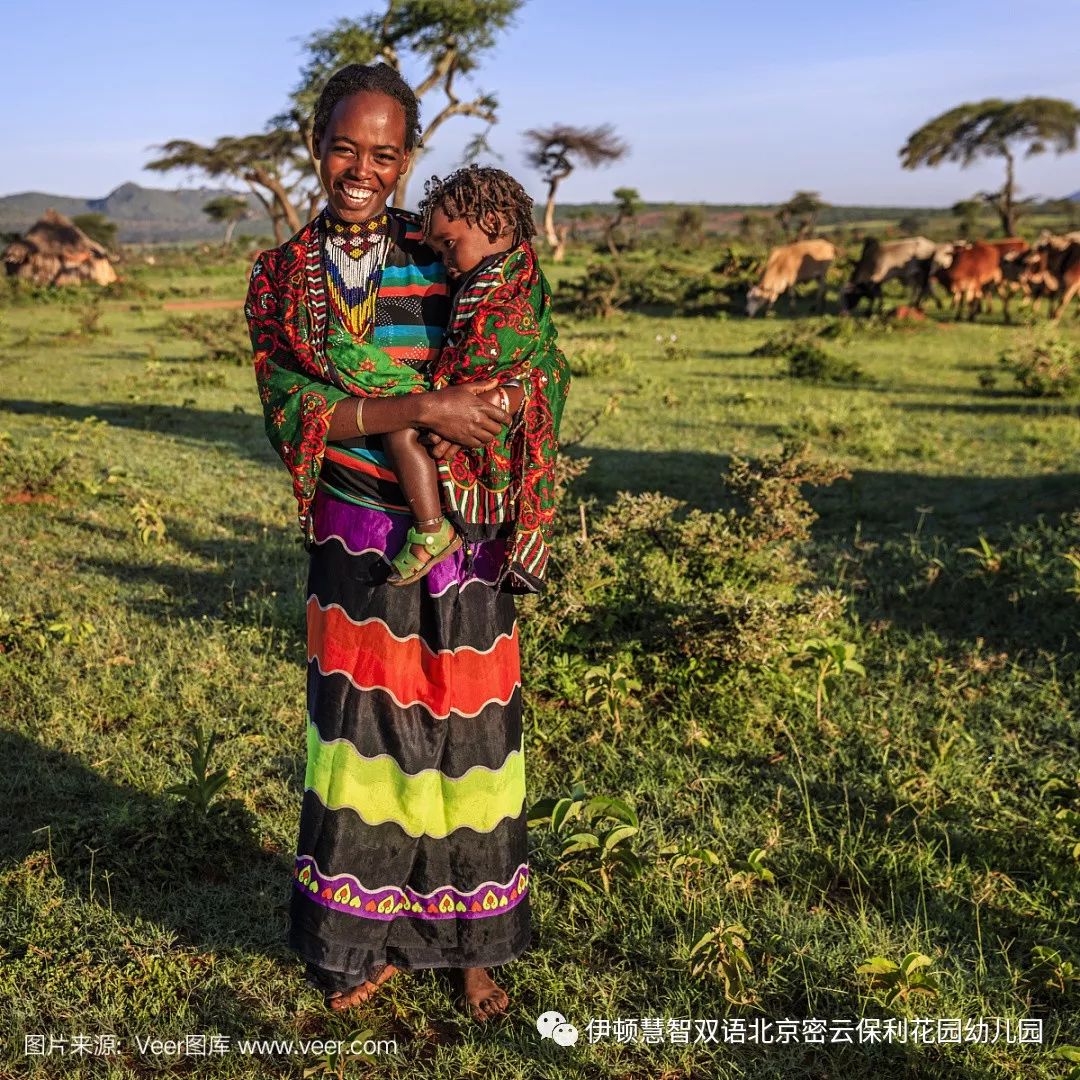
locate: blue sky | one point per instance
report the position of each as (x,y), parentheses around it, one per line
(720,102)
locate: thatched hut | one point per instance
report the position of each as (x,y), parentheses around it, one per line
(57,252)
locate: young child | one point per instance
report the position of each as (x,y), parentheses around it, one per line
(479,221)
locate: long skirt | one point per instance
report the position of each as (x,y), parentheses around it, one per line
(413,847)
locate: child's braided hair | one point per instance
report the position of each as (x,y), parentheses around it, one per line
(473,193)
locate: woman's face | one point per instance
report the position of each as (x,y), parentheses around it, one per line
(361,155)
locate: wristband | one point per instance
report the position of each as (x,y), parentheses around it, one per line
(359,416)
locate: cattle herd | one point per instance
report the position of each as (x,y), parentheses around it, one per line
(969,273)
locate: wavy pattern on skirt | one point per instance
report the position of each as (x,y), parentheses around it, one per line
(413,825)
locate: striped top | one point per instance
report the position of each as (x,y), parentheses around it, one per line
(412,308)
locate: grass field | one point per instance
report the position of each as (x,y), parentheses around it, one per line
(814,816)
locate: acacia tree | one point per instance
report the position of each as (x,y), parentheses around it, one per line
(627,204)
(995,128)
(273,165)
(446,37)
(556,151)
(227,209)
(800,213)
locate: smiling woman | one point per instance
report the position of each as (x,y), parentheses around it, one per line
(363,143)
(413,849)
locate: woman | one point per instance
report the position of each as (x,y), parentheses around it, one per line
(413,848)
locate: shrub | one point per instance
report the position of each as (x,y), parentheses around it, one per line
(608,287)
(32,469)
(222,337)
(598,359)
(813,363)
(670,589)
(1043,364)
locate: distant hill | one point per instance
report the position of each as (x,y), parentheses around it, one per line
(155,215)
(144,215)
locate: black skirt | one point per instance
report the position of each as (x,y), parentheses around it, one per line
(413,847)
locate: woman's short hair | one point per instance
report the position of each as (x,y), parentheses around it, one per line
(476,191)
(366,78)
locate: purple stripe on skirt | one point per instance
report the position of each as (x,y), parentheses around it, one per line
(360,528)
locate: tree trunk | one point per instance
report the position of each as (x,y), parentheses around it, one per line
(558,252)
(229,231)
(615,222)
(549,215)
(271,213)
(278,193)
(1006,206)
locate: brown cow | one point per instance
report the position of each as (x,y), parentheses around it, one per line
(1059,270)
(788,266)
(1015,276)
(973,268)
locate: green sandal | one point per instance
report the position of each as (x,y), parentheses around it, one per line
(440,545)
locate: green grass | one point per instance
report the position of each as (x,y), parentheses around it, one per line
(921,808)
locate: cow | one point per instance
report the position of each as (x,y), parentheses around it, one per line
(1058,243)
(1058,268)
(933,270)
(788,266)
(972,269)
(1015,270)
(881,261)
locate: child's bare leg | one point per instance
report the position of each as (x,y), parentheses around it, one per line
(418,477)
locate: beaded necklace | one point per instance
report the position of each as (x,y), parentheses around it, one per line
(355,254)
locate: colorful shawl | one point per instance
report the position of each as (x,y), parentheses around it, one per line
(306,361)
(501,325)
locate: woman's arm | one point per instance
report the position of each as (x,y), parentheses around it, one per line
(442,449)
(456,413)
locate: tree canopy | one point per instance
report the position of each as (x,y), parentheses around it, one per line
(229,210)
(447,38)
(800,213)
(274,165)
(557,149)
(995,128)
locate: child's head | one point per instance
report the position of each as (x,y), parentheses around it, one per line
(473,213)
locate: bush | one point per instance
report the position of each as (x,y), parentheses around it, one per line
(813,363)
(644,286)
(1043,364)
(806,359)
(681,590)
(221,337)
(600,359)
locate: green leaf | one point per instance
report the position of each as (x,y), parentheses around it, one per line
(611,807)
(877,965)
(616,836)
(540,812)
(560,813)
(702,941)
(913,961)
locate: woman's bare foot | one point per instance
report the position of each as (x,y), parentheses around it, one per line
(483,995)
(359,994)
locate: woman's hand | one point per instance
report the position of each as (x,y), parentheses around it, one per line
(457,416)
